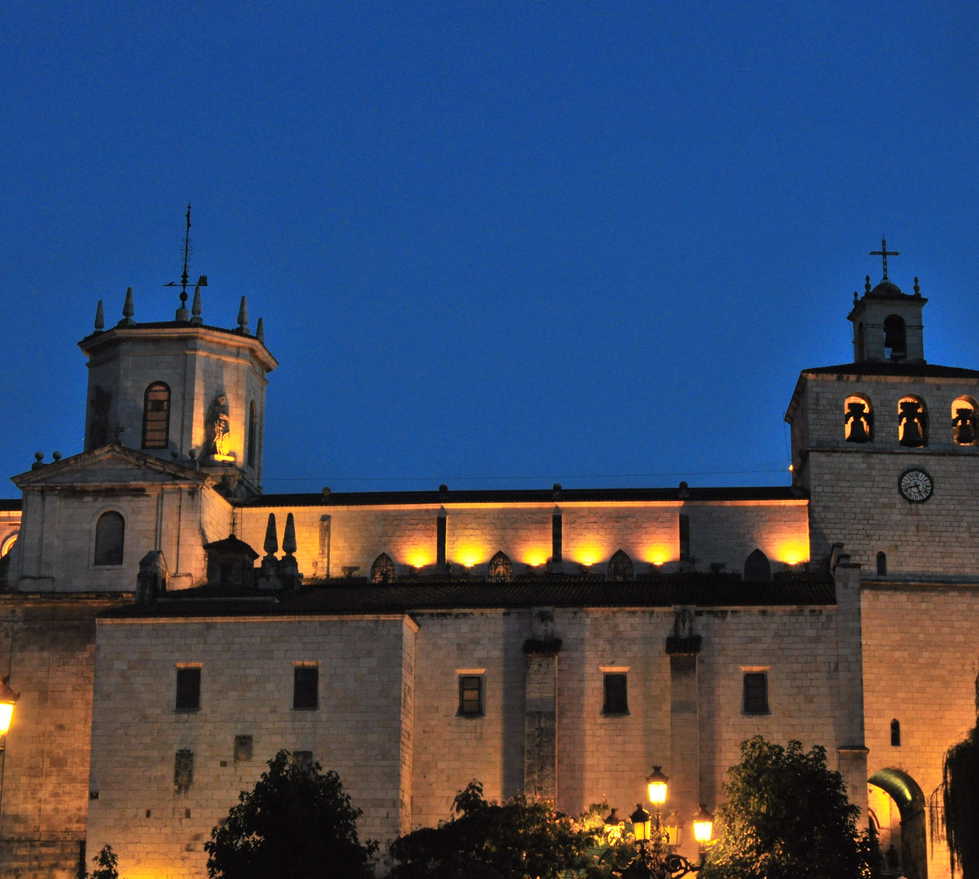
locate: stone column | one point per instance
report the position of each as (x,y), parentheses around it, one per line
(683,647)
(540,713)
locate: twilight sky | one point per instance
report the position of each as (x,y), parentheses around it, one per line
(496,244)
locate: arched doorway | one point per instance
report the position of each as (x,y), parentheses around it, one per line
(897,808)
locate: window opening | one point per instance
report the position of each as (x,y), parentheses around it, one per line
(896,733)
(756,692)
(616,693)
(188,689)
(156,416)
(110,533)
(912,422)
(305,687)
(858,425)
(964,421)
(895,345)
(470,695)
(881,564)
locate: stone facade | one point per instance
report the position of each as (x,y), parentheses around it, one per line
(552,672)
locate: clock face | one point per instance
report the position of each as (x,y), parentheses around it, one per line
(915,486)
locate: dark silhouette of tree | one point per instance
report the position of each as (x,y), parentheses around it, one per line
(786,816)
(960,789)
(106,864)
(517,839)
(296,824)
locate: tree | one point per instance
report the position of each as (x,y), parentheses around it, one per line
(106,864)
(296,824)
(786,816)
(960,789)
(517,839)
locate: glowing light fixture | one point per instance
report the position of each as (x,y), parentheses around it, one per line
(703,825)
(656,786)
(658,554)
(8,699)
(641,823)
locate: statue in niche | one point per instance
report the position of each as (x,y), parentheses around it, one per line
(218,428)
(99,427)
(683,623)
(964,426)
(500,568)
(910,423)
(856,422)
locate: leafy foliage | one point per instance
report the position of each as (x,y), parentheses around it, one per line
(296,824)
(786,816)
(106,864)
(518,839)
(960,784)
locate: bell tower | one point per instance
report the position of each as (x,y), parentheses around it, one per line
(181,390)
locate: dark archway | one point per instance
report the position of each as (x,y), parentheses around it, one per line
(903,790)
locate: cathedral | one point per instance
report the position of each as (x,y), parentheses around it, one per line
(166,626)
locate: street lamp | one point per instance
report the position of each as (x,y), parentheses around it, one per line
(655,858)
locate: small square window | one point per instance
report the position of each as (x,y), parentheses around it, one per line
(305,687)
(756,693)
(189,689)
(616,693)
(243,748)
(470,695)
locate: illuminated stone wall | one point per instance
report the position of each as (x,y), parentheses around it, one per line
(920,659)
(720,533)
(246,689)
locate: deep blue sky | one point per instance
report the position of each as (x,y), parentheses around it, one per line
(499,243)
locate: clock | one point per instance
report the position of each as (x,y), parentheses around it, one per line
(915,486)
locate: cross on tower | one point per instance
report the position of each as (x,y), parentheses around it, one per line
(883,253)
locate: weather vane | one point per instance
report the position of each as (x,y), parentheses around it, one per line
(883,253)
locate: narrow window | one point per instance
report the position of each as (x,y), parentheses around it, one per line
(471,695)
(189,688)
(756,692)
(156,416)
(616,694)
(110,533)
(896,733)
(684,537)
(757,568)
(881,564)
(183,770)
(252,433)
(895,347)
(305,687)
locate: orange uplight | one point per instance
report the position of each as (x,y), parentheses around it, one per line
(657,554)
(792,551)
(534,556)
(468,556)
(418,557)
(587,554)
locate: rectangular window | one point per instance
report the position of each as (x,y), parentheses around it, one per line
(305,687)
(756,692)
(189,688)
(470,695)
(616,693)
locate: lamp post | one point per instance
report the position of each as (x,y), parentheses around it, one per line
(655,839)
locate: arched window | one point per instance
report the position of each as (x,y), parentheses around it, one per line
(156,416)
(757,567)
(501,568)
(382,571)
(620,567)
(881,564)
(964,421)
(896,733)
(252,433)
(895,346)
(912,422)
(110,533)
(858,419)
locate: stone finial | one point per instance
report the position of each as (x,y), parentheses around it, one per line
(99,317)
(56,456)
(128,310)
(195,310)
(866,283)
(442,513)
(260,330)
(243,315)
(917,286)
(271,545)
(289,536)
(38,460)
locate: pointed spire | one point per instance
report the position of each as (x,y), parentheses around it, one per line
(99,317)
(196,317)
(271,545)
(243,315)
(128,310)
(289,536)
(260,330)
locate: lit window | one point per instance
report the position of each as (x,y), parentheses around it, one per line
(156,416)
(110,534)
(470,695)
(616,693)
(189,688)
(964,421)
(858,419)
(755,693)
(305,687)
(912,422)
